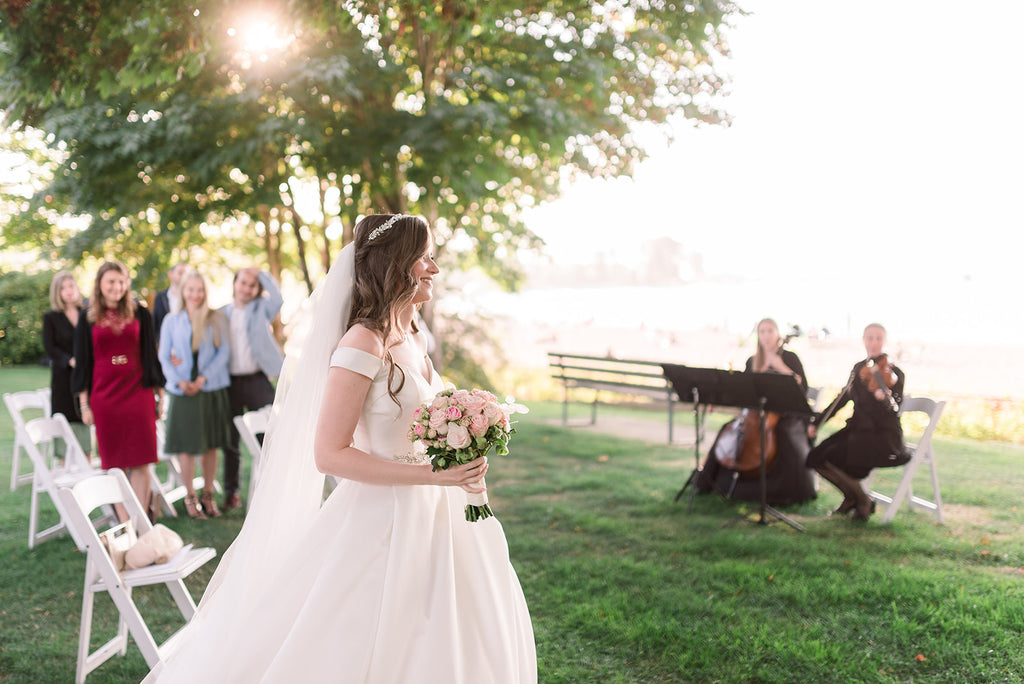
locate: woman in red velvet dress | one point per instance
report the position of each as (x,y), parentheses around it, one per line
(118,378)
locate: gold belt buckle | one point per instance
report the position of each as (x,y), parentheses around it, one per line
(119,360)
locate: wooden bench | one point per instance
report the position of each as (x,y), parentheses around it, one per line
(606,374)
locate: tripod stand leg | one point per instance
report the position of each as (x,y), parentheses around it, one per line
(765,508)
(691,481)
(779,516)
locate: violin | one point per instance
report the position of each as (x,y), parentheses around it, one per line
(879,375)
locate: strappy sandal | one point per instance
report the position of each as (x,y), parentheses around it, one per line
(209,506)
(193,508)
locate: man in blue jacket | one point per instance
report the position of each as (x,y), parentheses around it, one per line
(255,358)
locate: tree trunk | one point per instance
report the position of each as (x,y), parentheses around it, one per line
(300,242)
(273,249)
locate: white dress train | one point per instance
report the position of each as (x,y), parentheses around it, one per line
(391,584)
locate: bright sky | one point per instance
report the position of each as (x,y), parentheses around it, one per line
(872,142)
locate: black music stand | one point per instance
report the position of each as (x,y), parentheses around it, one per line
(780,394)
(707,387)
(761,391)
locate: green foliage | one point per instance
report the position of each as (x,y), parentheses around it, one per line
(25,299)
(467,351)
(466,113)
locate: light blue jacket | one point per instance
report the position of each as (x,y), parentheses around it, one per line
(258,315)
(176,336)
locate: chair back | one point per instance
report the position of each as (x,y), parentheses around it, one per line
(28,399)
(930,407)
(250,424)
(104,489)
(37,401)
(42,431)
(48,477)
(101,575)
(922,454)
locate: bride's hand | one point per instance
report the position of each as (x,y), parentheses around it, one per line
(468,476)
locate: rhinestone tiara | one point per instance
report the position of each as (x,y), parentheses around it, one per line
(384,227)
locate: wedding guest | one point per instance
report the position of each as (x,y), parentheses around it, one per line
(117,377)
(168,301)
(59,342)
(199,411)
(386,581)
(255,359)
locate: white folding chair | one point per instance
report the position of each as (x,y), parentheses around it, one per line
(171,487)
(249,425)
(37,401)
(101,575)
(922,454)
(48,478)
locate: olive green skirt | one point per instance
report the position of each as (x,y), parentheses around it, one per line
(198,423)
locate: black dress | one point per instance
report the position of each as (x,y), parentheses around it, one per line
(873,436)
(789,481)
(59,342)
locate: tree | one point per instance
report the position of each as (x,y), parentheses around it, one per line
(21,317)
(177,124)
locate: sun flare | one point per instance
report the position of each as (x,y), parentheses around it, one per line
(258,34)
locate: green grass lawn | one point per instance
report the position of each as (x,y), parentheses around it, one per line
(626,585)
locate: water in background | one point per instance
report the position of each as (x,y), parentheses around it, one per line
(948,311)
(952,337)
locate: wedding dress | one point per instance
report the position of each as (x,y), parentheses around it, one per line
(383,584)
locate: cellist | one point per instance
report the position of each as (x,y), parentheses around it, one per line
(788,481)
(872,437)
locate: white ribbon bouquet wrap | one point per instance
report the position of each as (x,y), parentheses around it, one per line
(459,426)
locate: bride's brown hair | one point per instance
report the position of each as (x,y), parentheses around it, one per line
(384,283)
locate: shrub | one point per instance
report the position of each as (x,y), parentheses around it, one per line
(25,298)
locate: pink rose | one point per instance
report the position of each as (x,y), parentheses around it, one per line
(493,413)
(458,437)
(438,422)
(419,430)
(485,395)
(452,413)
(474,404)
(478,425)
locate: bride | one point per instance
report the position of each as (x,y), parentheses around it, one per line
(387,581)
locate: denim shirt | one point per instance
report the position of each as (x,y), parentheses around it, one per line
(259,313)
(176,336)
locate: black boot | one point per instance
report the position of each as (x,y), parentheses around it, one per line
(854,497)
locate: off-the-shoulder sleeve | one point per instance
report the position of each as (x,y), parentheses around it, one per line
(357,360)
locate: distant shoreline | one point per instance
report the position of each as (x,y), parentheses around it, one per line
(933,369)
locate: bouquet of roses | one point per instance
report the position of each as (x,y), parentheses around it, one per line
(459,426)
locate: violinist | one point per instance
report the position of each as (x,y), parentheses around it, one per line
(873,436)
(787,479)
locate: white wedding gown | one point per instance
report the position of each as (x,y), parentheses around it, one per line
(390,584)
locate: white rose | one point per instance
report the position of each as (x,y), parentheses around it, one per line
(493,413)
(458,437)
